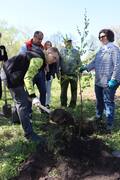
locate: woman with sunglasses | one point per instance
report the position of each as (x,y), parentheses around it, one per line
(107,77)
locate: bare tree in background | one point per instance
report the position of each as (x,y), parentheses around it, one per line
(56,39)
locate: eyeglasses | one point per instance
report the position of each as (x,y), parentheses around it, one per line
(100,37)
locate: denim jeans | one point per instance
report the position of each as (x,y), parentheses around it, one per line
(105,102)
(48,91)
(20,98)
(39,80)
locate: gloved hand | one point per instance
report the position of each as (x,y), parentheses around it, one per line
(36,101)
(82,68)
(112,83)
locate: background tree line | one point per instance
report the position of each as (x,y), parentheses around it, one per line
(87,44)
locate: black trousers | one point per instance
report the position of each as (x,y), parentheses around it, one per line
(65,81)
(0,88)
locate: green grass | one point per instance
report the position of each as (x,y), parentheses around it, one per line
(14,149)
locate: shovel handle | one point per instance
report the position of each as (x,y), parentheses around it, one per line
(44,108)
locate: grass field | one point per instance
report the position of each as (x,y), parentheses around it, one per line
(14,148)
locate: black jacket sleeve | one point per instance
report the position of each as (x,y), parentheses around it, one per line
(3,53)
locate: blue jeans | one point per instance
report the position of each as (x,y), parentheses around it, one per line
(105,101)
(48,91)
(39,80)
(20,98)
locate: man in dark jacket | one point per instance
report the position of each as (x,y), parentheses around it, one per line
(15,69)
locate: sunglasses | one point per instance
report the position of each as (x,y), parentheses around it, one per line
(100,37)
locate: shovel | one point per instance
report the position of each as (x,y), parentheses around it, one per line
(40,106)
(6,109)
(58,116)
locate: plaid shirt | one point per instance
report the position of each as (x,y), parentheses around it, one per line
(106,65)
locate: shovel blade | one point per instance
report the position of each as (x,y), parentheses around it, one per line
(7,110)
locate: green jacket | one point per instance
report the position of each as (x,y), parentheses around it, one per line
(70,61)
(35,65)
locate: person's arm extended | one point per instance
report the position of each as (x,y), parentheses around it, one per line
(91,65)
(35,64)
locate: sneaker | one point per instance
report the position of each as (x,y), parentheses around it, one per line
(72,106)
(109,129)
(98,124)
(63,106)
(99,118)
(36,138)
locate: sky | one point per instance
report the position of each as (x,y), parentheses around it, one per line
(52,16)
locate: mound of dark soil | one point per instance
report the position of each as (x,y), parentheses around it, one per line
(85,159)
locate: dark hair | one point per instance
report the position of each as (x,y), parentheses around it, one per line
(69,41)
(37,33)
(109,33)
(46,44)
